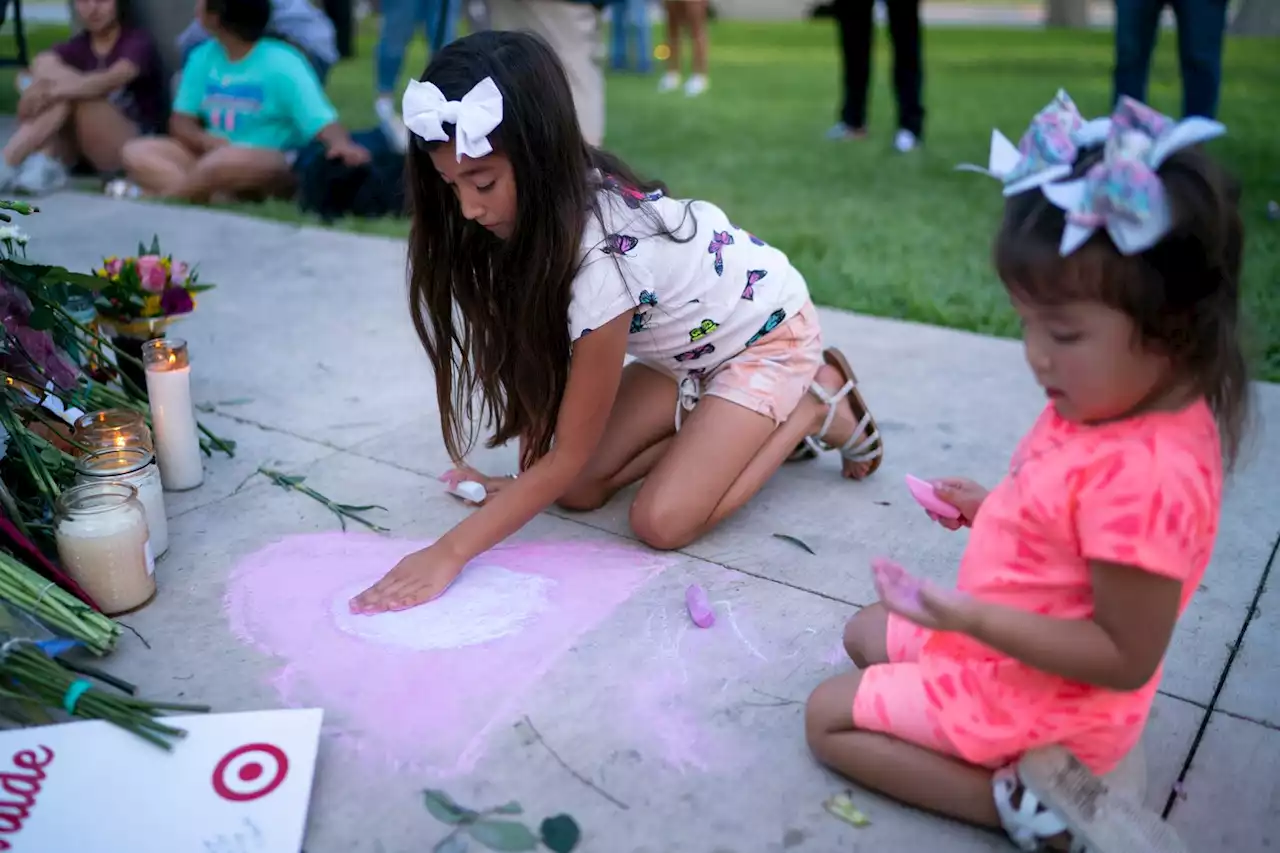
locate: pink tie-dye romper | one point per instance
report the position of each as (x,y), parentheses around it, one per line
(1143,492)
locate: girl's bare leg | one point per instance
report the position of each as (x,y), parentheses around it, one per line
(638,433)
(865,636)
(33,135)
(675,22)
(721,457)
(908,773)
(697,23)
(101,131)
(157,164)
(234,170)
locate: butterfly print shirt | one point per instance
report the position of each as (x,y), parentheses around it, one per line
(1144,492)
(695,303)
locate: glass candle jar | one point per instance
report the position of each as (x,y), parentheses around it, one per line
(113,429)
(135,467)
(101,532)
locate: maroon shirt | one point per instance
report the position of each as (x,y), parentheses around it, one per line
(144,100)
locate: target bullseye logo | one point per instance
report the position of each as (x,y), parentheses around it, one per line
(249,772)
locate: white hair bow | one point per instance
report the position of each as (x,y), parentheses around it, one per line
(1046,151)
(1124,193)
(426,110)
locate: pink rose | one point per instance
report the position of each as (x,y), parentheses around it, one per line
(152,273)
(113,266)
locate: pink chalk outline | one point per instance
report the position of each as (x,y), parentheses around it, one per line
(430,709)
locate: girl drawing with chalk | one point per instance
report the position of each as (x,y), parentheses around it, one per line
(537,264)
(1120,249)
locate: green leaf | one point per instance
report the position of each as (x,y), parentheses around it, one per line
(50,456)
(504,835)
(451,844)
(42,319)
(786,537)
(155,244)
(352,508)
(842,807)
(560,833)
(510,808)
(444,809)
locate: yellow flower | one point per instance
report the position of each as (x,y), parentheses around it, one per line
(151,306)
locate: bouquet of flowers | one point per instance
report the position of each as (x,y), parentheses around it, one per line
(147,290)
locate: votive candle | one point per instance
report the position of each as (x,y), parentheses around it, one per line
(135,467)
(102,538)
(173,417)
(114,429)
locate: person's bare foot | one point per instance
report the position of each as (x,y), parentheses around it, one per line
(842,426)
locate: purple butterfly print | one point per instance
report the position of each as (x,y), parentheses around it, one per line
(619,244)
(753,278)
(753,238)
(719,240)
(699,352)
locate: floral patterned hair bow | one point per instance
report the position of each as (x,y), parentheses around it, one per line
(1047,150)
(1124,193)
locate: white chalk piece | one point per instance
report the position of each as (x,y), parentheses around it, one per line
(469,490)
(699,608)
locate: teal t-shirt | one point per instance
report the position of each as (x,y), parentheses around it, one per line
(271,98)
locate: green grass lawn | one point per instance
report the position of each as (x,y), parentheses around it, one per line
(871,230)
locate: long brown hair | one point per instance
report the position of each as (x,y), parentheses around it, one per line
(1183,294)
(493,314)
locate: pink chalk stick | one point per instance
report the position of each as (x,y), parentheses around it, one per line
(699,608)
(927,497)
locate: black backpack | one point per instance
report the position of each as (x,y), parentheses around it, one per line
(331,189)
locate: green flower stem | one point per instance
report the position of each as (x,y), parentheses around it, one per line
(342,511)
(31,592)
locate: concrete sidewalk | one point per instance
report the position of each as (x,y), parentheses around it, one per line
(679,739)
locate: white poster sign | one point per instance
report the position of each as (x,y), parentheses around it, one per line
(238,783)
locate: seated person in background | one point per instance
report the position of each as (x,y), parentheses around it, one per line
(83,99)
(296,21)
(246,104)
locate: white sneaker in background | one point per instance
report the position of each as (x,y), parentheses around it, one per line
(7,174)
(669,82)
(905,141)
(40,174)
(121,188)
(696,85)
(392,125)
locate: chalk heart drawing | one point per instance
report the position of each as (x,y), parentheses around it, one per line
(423,687)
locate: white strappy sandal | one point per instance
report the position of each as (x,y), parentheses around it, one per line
(864,445)
(1029,824)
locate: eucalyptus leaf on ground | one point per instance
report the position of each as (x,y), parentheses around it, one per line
(842,807)
(799,543)
(509,808)
(444,809)
(560,833)
(504,835)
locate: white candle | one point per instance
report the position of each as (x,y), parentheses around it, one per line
(173,417)
(135,467)
(102,544)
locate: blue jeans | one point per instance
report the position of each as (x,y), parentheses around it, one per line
(399,19)
(1201,24)
(630,22)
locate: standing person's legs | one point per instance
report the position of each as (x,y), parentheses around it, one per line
(908,66)
(572,31)
(676,11)
(1137,23)
(1201,25)
(637,23)
(618,25)
(696,10)
(437,37)
(857,26)
(399,19)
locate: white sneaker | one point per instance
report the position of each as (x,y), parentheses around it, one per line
(696,85)
(7,174)
(40,174)
(669,82)
(392,125)
(905,141)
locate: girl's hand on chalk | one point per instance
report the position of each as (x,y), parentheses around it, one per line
(465,473)
(965,495)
